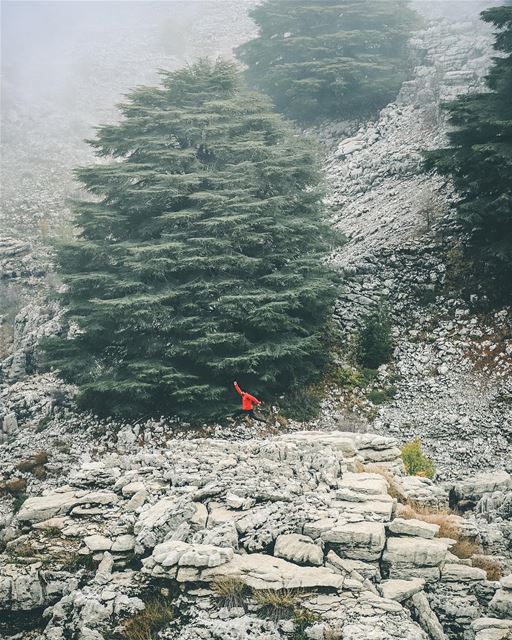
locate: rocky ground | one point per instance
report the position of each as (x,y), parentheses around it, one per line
(305,535)
(292,530)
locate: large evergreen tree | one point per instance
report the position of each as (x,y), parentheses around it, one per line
(199,260)
(479,160)
(329,58)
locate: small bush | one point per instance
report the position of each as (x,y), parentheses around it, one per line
(379,396)
(415,461)
(276,604)
(374,341)
(144,625)
(25,550)
(491,566)
(230,591)
(301,404)
(348,378)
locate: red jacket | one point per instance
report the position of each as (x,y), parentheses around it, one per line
(247,400)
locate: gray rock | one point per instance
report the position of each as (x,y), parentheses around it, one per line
(299,549)
(400,590)
(413,527)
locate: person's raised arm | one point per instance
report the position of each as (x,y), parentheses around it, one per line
(239,391)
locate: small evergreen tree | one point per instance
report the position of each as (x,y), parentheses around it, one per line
(199,260)
(329,58)
(479,160)
(374,341)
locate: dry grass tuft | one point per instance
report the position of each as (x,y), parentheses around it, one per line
(146,624)
(449,527)
(491,566)
(465,548)
(14,486)
(231,592)
(333,634)
(276,604)
(394,489)
(34,464)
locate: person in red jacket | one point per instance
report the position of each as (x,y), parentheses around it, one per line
(248,403)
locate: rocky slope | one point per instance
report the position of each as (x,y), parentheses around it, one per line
(450,376)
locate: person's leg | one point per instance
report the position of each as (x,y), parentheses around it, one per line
(238,412)
(256,417)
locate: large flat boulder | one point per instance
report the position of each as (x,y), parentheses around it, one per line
(60,503)
(174,552)
(492,629)
(474,488)
(162,517)
(374,508)
(369,484)
(358,540)
(260,571)
(461,573)
(413,527)
(299,549)
(415,551)
(400,590)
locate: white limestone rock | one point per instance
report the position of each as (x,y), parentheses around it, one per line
(501,604)
(357,540)
(97,543)
(55,504)
(174,552)
(165,516)
(426,617)
(461,573)
(413,527)
(260,571)
(123,543)
(492,628)
(299,549)
(400,590)
(415,551)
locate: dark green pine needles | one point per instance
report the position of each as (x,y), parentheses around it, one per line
(479,159)
(329,58)
(200,260)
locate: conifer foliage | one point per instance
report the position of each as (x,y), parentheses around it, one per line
(479,160)
(329,58)
(199,260)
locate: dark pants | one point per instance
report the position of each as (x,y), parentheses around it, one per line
(250,413)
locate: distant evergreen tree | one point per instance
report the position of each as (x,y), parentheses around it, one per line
(479,160)
(329,58)
(200,258)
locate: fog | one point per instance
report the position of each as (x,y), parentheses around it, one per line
(65,66)
(55,51)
